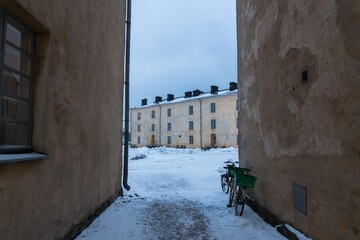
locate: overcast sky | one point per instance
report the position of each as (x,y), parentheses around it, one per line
(181,45)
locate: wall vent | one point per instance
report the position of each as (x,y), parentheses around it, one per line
(300,198)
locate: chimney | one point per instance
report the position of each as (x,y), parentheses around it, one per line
(188,94)
(170,97)
(158,99)
(144,102)
(233,86)
(214,89)
(197,92)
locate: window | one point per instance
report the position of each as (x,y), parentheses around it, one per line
(191,139)
(16,85)
(153,127)
(153,114)
(139,128)
(139,116)
(191,110)
(191,125)
(138,140)
(169,126)
(169,140)
(212,107)
(213,124)
(169,112)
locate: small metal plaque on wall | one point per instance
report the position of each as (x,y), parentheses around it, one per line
(300,198)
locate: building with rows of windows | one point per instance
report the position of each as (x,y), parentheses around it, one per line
(197,120)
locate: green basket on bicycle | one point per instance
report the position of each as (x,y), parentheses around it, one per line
(232,171)
(244,180)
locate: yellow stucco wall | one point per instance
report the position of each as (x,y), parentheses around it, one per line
(225,115)
(77,118)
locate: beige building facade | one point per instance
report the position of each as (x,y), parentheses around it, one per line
(61,91)
(298,72)
(196,121)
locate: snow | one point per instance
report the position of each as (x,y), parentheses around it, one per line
(176,194)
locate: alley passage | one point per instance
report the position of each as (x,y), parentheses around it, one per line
(176,194)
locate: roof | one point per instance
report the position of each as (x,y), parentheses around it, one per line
(184,99)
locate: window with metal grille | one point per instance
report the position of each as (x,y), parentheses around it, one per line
(16,85)
(191,139)
(169,112)
(139,116)
(153,127)
(152,114)
(169,140)
(139,128)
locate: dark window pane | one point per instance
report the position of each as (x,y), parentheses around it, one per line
(20,39)
(13,109)
(13,134)
(15,85)
(16,60)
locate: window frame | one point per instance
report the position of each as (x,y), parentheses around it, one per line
(191,125)
(5,19)
(191,110)
(169,126)
(212,107)
(153,127)
(191,139)
(169,112)
(213,123)
(153,114)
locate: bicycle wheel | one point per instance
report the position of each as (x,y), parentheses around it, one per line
(232,194)
(224,184)
(240,201)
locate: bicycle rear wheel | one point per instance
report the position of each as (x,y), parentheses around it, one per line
(240,201)
(224,184)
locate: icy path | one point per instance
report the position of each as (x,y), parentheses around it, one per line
(176,194)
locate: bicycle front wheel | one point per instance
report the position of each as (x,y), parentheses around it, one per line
(240,202)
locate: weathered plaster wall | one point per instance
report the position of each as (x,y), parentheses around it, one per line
(77,120)
(302,132)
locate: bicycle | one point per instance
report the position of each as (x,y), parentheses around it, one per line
(226,178)
(241,182)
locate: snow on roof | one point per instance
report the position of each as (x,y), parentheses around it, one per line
(183,98)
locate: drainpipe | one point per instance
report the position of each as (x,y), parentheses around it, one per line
(200,124)
(127,94)
(159,125)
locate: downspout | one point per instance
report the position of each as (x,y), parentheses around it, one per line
(127,94)
(159,125)
(200,124)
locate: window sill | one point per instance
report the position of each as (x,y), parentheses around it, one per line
(21,157)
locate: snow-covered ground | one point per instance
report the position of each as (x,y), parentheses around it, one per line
(176,194)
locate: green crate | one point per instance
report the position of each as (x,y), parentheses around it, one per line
(245,180)
(232,171)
